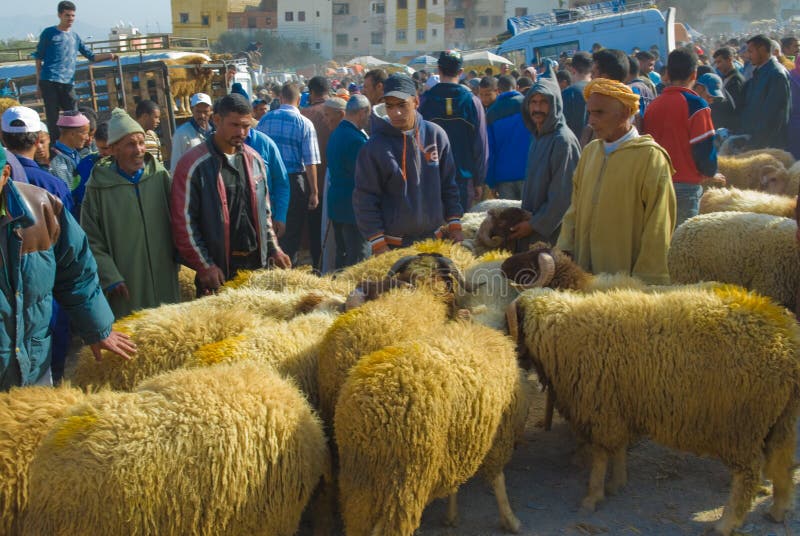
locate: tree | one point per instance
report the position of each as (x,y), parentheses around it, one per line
(277,53)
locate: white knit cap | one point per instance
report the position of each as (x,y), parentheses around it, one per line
(120,125)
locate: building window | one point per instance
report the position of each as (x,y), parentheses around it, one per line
(204,20)
(401,36)
(520,11)
(317,46)
(219,18)
(184,18)
(289,16)
(379,8)
(317,14)
(341,9)
(497,20)
(421,4)
(433,32)
(301,16)
(269,21)
(458,23)
(341,40)
(402,4)
(251,22)
(483,21)
(435,2)
(376,38)
(420,36)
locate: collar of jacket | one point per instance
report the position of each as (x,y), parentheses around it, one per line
(16,206)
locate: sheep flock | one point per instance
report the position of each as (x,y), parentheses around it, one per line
(293,403)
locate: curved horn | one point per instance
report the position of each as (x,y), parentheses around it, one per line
(401,265)
(446,264)
(484,230)
(547,268)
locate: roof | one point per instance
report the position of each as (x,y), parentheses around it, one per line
(517,25)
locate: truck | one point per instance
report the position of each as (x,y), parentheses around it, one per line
(619,24)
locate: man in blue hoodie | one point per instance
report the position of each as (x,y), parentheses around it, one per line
(552,159)
(405,183)
(509,140)
(460,113)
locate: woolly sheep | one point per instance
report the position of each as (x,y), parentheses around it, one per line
(752,173)
(495,228)
(784,184)
(186,283)
(710,372)
(407,435)
(735,200)
(26,415)
(756,251)
(784,157)
(231,449)
(290,348)
(487,204)
(167,336)
(294,280)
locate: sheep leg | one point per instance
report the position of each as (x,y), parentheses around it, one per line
(597,478)
(548,410)
(743,489)
(779,469)
(451,517)
(508,520)
(619,471)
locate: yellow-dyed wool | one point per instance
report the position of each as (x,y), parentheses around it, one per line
(396,316)
(748,173)
(6,103)
(494,255)
(416,420)
(709,371)
(186,283)
(26,415)
(291,348)
(735,200)
(756,251)
(226,450)
(294,280)
(784,157)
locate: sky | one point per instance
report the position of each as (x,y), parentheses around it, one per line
(31,16)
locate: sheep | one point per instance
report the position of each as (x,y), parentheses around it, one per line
(735,200)
(407,435)
(785,157)
(185,82)
(495,229)
(756,251)
(487,204)
(752,173)
(783,183)
(493,292)
(291,348)
(186,283)
(229,449)
(167,336)
(713,372)
(26,415)
(293,280)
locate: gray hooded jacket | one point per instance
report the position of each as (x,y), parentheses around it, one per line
(552,158)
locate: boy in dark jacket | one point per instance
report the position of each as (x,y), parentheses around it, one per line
(405,186)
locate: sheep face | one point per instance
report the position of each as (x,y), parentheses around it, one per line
(775,180)
(496,228)
(543,266)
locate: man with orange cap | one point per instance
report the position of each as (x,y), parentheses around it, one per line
(623,207)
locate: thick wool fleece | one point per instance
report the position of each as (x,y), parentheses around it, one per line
(293,280)
(735,200)
(395,317)
(167,336)
(746,173)
(713,372)
(26,415)
(204,451)
(291,348)
(784,157)
(756,251)
(186,283)
(417,420)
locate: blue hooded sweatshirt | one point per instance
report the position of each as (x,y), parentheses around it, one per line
(509,139)
(405,186)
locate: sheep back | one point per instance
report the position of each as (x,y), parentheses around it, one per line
(755,251)
(747,173)
(416,420)
(706,371)
(293,280)
(26,415)
(736,200)
(226,450)
(487,204)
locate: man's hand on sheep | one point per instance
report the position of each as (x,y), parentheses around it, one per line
(521,230)
(210,280)
(280,259)
(456,235)
(121,290)
(117,343)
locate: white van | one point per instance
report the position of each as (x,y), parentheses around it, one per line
(613,24)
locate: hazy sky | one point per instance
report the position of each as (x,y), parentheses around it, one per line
(152,15)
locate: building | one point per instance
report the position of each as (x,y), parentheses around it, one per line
(307,21)
(418,27)
(263,16)
(522,8)
(204,18)
(473,23)
(359,28)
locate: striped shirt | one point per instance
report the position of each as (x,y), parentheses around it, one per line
(153,145)
(294,135)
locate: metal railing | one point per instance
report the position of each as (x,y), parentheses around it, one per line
(586,12)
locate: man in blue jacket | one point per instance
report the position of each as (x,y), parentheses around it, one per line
(460,113)
(552,160)
(767,98)
(277,178)
(45,253)
(405,186)
(509,139)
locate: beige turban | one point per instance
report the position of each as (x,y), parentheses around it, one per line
(615,90)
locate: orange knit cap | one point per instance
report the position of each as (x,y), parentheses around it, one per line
(615,90)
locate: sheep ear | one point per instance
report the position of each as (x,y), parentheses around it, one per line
(768,174)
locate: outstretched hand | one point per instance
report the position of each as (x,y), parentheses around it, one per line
(117,343)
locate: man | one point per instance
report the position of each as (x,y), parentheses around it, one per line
(125,215)
(260,108)
(46,256)
(87,164)
(56,55)
(487,91)
(622,212)
(72,137)
(343,148)
(647,63)
(43,148)
(277,178)
(564,79)
(405,182)
(509,140)
(640,85)
(296,138)
(373,90)
(732,78)
(574,104)
(221,215)
(148,115)
(552,158)
(767,98)
(524,83)
(723,111)
(460,114)
(611,64)
(194,132)
(333,112)
(789,47)
(680,122)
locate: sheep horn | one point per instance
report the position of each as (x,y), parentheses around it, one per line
(484,229)
(547,269)
(446,265)
(401,265)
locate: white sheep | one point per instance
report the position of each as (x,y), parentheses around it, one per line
(736,200)
(752,173)
(486,204)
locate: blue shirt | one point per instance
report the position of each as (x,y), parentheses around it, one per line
(58,52)
(277,179)
(39,177)
(294,135)
(343,148)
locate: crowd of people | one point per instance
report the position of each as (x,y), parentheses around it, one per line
(608,151)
